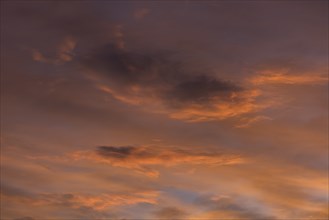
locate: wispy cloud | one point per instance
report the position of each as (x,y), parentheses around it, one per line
(284,77)
(144,158)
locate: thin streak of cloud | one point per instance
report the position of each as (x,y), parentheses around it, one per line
(95,202)
(247,122)
(143,158)
(283,77)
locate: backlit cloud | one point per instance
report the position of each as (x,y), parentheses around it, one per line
(165,86)
(284,77)
(144,158)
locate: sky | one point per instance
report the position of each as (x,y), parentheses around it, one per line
(164,110)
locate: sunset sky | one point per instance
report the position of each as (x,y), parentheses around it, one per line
(164,110)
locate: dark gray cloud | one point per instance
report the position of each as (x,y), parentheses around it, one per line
(144,152)
(125,152)
(117,152)
(162,73)
(202,89)
(133,67)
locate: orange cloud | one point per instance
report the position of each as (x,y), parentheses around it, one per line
(247,122)
(160,84)
(133,100)
(65,48)
(283,77)
(141,159)
(96,202)
(64,52)
(38,56)
(239,103)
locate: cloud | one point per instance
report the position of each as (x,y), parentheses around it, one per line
(245,103)
(202,90)
(170,213)
(294,195)
(65,49)
(144,158)
(64,52)
(284,77)
(141,13)
(224,206)
(118,36)
(116,152)
(38,56)
(247,122)
(99,202)
(163,84)
(179,87)
(132,68)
